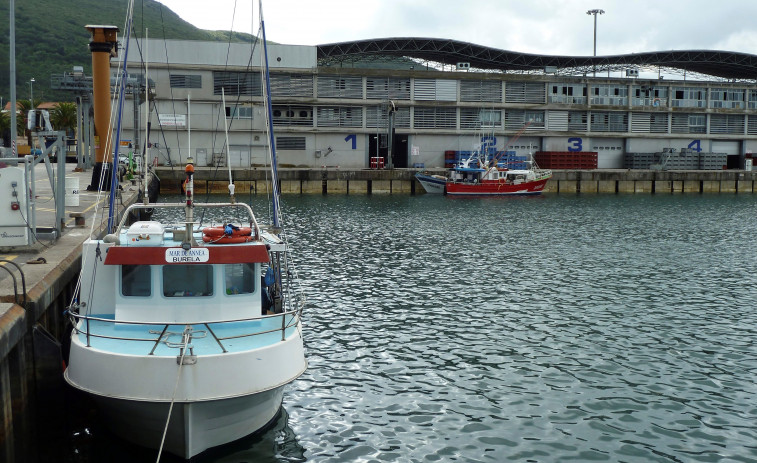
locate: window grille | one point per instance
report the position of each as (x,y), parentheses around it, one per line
(481,91)
(291,85)
(609,122)
(525,92)
(688,123)
(649,122)
(340,116)
(478,118)
(237,83)
(340,87)
(578,121)
(434,118)
(377,117)
(435,90)
(290,143)
(186,81)
(727,123)
(557,120)
(381,88)
(515,119)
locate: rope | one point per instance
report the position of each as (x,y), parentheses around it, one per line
(173,397)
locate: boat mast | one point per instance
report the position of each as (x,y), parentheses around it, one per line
(145,157)
(269,109)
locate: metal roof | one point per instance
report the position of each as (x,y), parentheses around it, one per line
(720,64)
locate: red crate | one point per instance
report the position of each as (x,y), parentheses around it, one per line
(566,160)
(377,163)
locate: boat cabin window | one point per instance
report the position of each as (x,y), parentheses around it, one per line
(187,280)
(240,278)
(136,280)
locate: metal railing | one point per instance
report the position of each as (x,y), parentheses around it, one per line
(289,319)
(253,222)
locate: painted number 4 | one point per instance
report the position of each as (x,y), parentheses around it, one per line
(696,145)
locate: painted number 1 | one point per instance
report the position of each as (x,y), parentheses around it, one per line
(352,137)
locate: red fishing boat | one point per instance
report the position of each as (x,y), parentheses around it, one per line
(497,180)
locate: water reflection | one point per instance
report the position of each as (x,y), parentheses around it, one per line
(90,441)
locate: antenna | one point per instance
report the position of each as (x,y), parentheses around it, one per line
(228,155)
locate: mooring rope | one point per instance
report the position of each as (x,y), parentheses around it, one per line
(187,337)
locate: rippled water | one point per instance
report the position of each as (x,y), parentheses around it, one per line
(556,328)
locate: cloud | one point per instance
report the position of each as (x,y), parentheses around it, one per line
(559,27)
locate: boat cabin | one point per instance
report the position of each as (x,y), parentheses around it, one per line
(146,276)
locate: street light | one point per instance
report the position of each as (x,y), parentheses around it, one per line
(595,12)
(31,92)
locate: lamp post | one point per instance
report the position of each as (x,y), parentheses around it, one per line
(31,92)
(595,12)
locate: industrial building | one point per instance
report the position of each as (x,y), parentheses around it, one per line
(336,105)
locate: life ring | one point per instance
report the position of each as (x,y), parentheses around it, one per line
(226,239)
(656,102)
(221,235)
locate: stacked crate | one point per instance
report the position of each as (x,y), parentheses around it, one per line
(640,160)
(449,158)
(509,160)
(566,160)
(683,160)
(713,161)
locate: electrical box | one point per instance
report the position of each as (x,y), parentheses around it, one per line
(14,228)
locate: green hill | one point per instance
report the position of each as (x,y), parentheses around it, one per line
(51,38)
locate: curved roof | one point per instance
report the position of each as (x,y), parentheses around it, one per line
(721,64)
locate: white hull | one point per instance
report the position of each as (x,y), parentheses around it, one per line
(432,184)
(193,427)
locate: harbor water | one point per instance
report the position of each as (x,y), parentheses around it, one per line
(614,328)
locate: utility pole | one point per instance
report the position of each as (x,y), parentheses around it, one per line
(14,153)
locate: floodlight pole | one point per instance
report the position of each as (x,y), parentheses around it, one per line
(595,12)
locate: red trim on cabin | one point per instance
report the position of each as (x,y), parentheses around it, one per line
(149,255)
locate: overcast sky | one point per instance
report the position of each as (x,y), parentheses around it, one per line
(559,27)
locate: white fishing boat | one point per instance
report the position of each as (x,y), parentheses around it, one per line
(432,183)
(180,336)
(186,331)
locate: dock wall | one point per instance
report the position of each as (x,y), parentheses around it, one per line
(33,336)
(402,181)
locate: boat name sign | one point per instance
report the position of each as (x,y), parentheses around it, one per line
(181,256)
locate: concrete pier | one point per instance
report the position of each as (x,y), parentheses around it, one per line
(402,181)
(49,271)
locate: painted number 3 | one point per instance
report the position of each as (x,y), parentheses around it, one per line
(575,144)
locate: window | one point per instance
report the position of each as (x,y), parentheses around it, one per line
(239,112)
(136,281)
(187,280)
(239,278)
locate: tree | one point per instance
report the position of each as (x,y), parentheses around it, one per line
(5,125)
(63,117)
(23,113)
